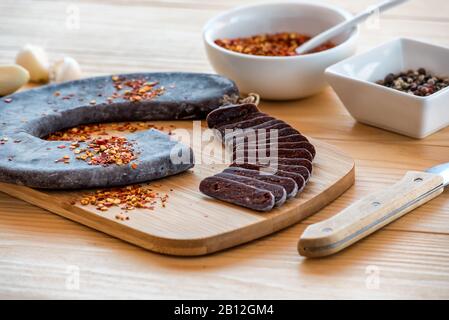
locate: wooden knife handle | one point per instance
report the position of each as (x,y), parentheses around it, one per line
(369,214)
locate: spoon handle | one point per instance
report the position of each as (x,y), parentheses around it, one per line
(346,25)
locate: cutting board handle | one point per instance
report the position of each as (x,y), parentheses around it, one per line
(369,214)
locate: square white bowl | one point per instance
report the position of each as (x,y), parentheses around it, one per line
(353,79)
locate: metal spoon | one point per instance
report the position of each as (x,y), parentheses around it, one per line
(346,25)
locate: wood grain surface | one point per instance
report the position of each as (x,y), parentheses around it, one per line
(41,253)
(190,223)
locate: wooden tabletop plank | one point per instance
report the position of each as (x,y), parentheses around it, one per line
(40,249)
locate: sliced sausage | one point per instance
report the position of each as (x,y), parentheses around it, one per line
(242,118)
(281,139)
(255,131)
(290,186)
(280,194)
(269,124)
(237,193)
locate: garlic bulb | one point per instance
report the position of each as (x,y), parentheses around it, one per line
(12,77)
(34,59)
(66,69)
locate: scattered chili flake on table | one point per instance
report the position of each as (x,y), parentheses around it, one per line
(64,159)
(126,198)
(81,133)
(133,127)
(121,216)
(277,44)
(136,89)
(417,82)
(86,132)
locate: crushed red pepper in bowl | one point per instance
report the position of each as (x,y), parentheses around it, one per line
(88,131)
(281,44)
(136,89)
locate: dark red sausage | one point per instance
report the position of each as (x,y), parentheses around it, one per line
(228,113)
(290,186)
(280,195)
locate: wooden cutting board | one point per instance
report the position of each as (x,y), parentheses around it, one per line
(191,223)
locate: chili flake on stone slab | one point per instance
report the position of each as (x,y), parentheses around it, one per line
(80,133)
(135,89)
(88,131)
(126,198)
(277,44)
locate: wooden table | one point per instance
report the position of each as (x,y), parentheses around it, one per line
(42,254)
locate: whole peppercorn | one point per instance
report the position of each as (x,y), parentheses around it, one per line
(276,44)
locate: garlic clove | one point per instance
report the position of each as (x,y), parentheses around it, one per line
(35,60)
(66,69)
(12,77)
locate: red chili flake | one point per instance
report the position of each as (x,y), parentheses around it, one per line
(126,198)
(61,147)
(57,93)
(114,150)
(277,44)
(60,160)
(134,166)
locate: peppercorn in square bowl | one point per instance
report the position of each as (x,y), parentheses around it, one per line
(276,73)
(400,86)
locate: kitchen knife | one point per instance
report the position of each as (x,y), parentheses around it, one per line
(373,212)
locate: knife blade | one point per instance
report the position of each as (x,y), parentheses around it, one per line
(373,212)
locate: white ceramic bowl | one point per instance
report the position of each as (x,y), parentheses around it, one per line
(354,82)
(277,78)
